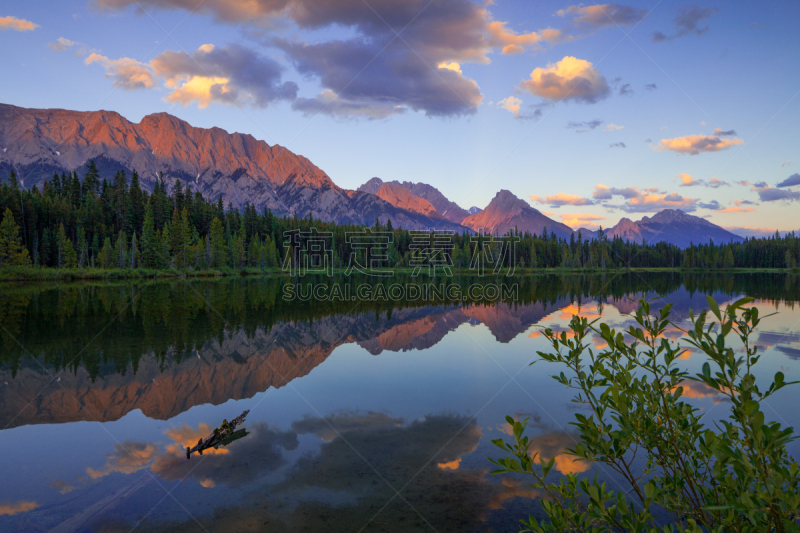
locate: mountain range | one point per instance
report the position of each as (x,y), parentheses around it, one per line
(241,169)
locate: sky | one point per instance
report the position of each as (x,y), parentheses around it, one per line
(589,112)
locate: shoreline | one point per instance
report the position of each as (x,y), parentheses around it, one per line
(43,274)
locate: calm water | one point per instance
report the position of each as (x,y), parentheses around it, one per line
(363,416)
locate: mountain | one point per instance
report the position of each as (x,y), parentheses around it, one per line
(399,196)
(673,226)
(449,210)
(237,167)
(506,212)
(474,210)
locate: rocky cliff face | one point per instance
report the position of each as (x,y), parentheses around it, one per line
(447,209)
(237,167)
(506,212)
(399,196)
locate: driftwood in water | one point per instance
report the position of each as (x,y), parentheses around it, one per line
(219,435)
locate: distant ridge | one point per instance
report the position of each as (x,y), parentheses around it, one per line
(673,226)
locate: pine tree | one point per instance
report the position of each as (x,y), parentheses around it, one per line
(106,254)
(11,250)
(134,252)
(91,180)
(217,242)
(121,251)
(148,238)
(67,258)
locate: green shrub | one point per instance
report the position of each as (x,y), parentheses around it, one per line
(736,476)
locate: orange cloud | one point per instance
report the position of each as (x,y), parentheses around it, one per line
(560,199)
(128,457)
(451,465)
(655,201)
(697,390)
(127,73)
(13,23)
(18,507)
(573,310)
(512,42)
(577,220)
(687,180)
(736,210)
(553,446)
(569,79)
(187,437)
(511,104)
(694,144)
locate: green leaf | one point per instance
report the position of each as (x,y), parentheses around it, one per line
(712,303)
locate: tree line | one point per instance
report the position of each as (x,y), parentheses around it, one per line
(96,223)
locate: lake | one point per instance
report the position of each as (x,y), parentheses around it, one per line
(364,415)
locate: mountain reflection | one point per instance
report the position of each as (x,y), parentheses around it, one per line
(97,352)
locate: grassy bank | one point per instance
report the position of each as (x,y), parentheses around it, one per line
(68,274)
(29,273)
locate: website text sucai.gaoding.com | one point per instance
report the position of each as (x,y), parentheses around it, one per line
(395,292)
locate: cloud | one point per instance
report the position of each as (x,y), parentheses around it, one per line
(626,90)
(127,73)
(724,133)
(17,507)
(768,194)
(128,457)
(647,202)
(617,145)
(599,16)
(644,201)
(791,181)
(713,205)
(651,87)
(743,183)
(553,445)
(750,231)
(602,192)
(583,127)
(714,183)
(613,127)
(737,210)
(241,463)
(785,163)
(694,144)
(61,44)
(399,80)
(231,74)
(687,22)
(62,486)
(569,79)
(560,199)
(13,23)
(512,43)
(342,422)
(513,105)
(577,220)
(372,72)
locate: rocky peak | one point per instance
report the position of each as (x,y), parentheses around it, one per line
(399,196)
(372,186)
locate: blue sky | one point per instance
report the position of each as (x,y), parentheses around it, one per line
(590,112)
